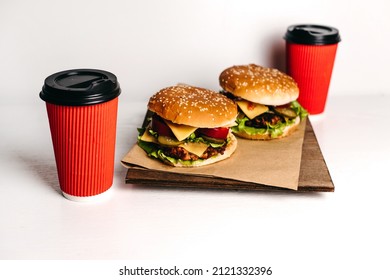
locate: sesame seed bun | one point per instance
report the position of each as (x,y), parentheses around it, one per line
(259,84)
(193,106)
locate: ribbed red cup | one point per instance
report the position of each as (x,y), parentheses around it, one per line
(310,55)
(82,107)
(84,146)
(311,67)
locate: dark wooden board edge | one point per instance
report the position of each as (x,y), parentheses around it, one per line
(314,175)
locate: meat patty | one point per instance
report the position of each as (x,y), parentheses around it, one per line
(183,154)
(263,120)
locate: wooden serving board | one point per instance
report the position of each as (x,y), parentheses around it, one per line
(314,175)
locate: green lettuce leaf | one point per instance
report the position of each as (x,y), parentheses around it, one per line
(153,150)
(301,112)
(274,130)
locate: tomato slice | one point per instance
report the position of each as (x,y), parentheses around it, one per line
(159,126)
(217,132)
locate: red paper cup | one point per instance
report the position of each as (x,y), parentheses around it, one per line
(82,110)
(310,56)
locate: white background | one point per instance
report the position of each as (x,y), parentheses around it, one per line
(153,44)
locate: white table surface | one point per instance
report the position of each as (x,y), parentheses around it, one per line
(345,233)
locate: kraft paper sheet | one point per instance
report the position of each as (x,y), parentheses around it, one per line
(273,163)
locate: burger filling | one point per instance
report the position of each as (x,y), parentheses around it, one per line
(254,118)
(183,144)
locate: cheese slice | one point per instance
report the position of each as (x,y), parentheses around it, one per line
(147,137)
(195,148)
(181,131)
(250,109)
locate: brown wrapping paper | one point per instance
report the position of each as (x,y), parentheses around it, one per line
(274,163)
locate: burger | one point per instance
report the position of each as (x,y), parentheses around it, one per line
(266,99)
(190,127)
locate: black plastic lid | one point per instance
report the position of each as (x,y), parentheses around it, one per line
(310,34)
(80,87)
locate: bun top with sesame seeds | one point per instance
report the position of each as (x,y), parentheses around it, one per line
(193,106)
(259,84)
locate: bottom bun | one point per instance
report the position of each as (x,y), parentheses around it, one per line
(230,148)
(267,136)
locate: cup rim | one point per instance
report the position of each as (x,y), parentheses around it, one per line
(312,34)
(79,87)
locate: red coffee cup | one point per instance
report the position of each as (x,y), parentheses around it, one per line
(82,109)
(310,55)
